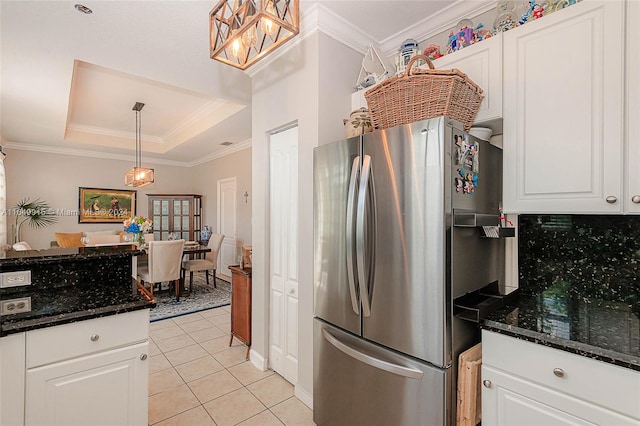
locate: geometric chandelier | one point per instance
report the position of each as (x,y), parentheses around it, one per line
(138,175)
(244,31)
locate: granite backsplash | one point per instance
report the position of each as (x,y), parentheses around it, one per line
(575,258)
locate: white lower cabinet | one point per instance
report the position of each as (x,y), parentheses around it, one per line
(87,373)
(12,361)
(107,388)
(525,383)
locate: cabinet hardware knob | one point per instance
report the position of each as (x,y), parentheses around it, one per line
(94,337)
(487,383)
(636,199)
(143,357)
(292,290)
(558,372)
(611,199)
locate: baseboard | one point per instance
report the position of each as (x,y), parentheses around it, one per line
(304,396)
(258,360)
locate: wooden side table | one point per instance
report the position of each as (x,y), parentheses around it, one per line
(241,305)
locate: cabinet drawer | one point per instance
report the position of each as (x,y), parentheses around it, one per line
(66,341)
(608,385)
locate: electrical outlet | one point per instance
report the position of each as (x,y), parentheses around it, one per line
(15,306)
(15,279)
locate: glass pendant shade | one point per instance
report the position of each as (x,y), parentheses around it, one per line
(237,47)
(266,24)
(244,31)
(138,175)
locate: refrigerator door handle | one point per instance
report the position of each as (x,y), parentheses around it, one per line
(389,367)
(361,251)
(351,202)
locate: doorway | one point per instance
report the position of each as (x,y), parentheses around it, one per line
(227,226)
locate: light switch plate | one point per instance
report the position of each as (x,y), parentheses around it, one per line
(15,279)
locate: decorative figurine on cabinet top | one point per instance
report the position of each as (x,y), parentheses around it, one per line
(408,49)
(375,68)
(432,52)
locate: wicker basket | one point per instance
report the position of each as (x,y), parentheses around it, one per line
(419,94)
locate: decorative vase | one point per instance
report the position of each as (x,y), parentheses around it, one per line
(358,123)
(205,235)
(139,238)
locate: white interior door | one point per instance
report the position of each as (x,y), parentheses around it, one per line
(283,341)
(227,225)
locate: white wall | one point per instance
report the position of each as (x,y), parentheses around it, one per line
(205,179)
(55,178)
(310,85)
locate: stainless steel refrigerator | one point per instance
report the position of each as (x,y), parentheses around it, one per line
(388,263)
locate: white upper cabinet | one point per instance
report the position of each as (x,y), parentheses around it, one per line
(632,189)
(482,62)
(564,111)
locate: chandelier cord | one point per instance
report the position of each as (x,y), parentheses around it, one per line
(138,141)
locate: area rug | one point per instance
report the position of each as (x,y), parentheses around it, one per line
(202,298)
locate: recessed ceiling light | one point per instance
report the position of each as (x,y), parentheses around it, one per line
(226,143)
(82,8)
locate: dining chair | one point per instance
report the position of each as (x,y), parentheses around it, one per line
(210,262)
(21,246)
(164,258)
(69,239)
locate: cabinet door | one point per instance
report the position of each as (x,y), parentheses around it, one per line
(12,364)
(108,388)
(160,209)
(510,400)
(181,214)
(482,62)
(241,306)
(632,195)
(563,110)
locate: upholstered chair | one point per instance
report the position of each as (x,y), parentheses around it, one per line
(209,263)
(164,259)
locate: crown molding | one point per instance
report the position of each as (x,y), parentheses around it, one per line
(222,153)
(111,133)
(92,154)
(202,113)
(433,25)
(335,26)
(318,18)
(111,156)
(308,25)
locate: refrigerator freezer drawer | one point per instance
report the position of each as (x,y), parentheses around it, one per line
(359,383)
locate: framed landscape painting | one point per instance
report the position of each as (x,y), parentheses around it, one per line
(98,205)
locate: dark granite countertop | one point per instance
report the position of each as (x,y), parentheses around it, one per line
(71,284)
(58,306)
(604,330)
(13,257)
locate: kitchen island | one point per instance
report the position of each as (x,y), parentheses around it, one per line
(73,337)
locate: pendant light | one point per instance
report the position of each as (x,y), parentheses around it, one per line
(242,32)
(138,175)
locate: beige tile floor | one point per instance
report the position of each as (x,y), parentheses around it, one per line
(196,379)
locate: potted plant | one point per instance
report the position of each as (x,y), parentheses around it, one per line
(37,213)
